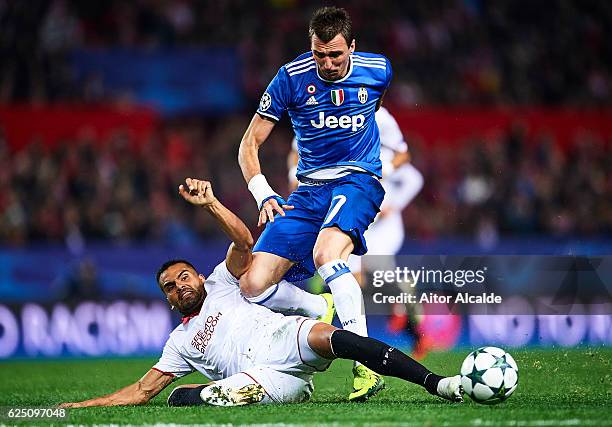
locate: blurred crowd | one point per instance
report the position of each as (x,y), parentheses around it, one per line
(443,52)
(86,190)
(514,185)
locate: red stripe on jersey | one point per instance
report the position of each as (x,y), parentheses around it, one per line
(163,372)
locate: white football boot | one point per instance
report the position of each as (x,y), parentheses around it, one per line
(220,395)
(450,388)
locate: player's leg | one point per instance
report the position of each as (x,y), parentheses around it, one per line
(236,390)
(187,395)
(355,262)
(284,249)
(385,238)
(281,296)
(330,342)
(259,384)
(331,251)
(407,183)
(355,203)
(274,252)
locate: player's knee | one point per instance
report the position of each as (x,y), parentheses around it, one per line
(252,285)
(323,255)
(332,244)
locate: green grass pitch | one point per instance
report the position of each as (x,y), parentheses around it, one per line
(556,388)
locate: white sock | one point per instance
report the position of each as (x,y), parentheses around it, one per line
(347,296)
(286,297)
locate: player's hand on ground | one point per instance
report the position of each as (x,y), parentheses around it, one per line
(197,192)
(268,210)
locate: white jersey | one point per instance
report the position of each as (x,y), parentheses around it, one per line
(230,335)
(391,138)
(385,236)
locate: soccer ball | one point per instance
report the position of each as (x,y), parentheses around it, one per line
(489,375)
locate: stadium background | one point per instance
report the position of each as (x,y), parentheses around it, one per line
(105,107)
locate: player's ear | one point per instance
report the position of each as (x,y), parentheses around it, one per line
(202,278)
(352,46)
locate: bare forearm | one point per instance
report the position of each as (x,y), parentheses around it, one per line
(130,395)
(138,393)
(258,131)
(248,159)
(231,225)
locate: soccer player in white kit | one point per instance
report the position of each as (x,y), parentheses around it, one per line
(385,236)
(401,181)
(251,354)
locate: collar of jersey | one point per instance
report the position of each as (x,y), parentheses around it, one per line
(348,73)
(186,319)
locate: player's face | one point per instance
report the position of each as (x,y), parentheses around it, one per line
(332,58)
(183,287)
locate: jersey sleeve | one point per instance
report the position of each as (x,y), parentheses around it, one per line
(390,132)
(275,100)
(171,362)
(221,276)
(389,74)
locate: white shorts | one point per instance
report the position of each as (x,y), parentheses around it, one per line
(384,237)
(290,381)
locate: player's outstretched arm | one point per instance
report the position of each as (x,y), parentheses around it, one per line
(239,256)
(268,201)
(138,393)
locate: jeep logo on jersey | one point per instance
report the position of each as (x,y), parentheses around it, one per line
(362,95)
(337,97)
(265,102)
(345,122)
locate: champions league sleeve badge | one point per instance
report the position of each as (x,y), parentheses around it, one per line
(265,102)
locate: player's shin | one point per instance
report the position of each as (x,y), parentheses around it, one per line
(347,295)
(383,359)
(285,297)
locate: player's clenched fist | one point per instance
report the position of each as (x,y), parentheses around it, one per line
(197,192)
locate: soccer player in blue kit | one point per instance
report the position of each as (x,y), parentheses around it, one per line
(331,95)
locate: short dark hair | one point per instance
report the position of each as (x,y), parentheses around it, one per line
(328,22)
(166,265)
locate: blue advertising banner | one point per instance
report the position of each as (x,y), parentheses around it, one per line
(85,329)
(140,327)
(177,80)
(106,302)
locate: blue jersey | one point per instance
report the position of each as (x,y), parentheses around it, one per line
(333,120)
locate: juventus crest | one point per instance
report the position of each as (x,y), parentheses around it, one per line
(362,95)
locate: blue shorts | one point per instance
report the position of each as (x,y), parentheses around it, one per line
(350,203)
